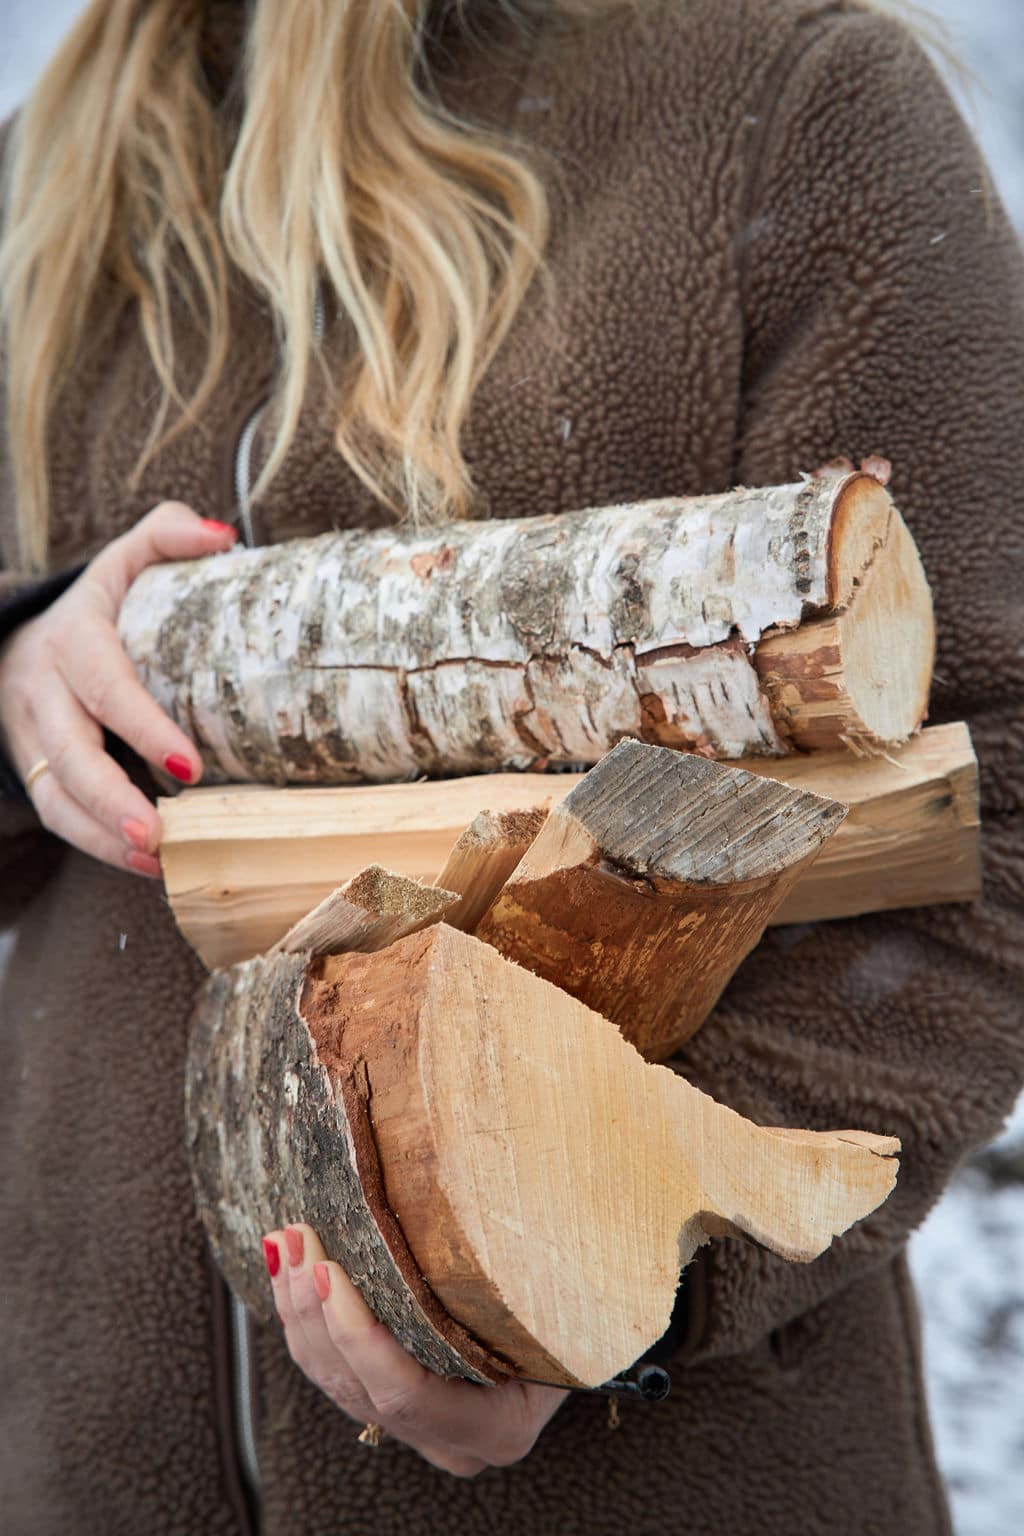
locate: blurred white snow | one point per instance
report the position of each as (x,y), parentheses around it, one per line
(968,1262)
(968,1259)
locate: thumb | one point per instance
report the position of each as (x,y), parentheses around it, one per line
(172,531)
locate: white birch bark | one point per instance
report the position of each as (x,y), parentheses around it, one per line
(388,654)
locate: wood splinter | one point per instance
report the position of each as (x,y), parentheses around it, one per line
(370,911)
(511,1186)
(484,857)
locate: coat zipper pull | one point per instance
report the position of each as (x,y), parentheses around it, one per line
(243,475)
(243,452)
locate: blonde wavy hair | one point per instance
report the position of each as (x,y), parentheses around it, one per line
(332,166)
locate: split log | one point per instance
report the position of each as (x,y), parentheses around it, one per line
(373,909)
(242,864)
(387,654)
(650,883)
(913,835)
(506,1180)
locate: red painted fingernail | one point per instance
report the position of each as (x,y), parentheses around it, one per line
(144,864)
(179,766)
(214,526)
(322,1280)
(296,1246)
(272,1254)
(136,834)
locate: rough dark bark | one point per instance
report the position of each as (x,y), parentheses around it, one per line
(274,1138)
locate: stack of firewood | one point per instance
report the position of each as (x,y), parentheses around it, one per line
(481,1143)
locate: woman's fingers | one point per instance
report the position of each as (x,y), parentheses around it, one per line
(296,1261)
(72,743)
(171,531)
(102,678)
(302,1318)
(496,1425)
(100,674)
(65,818)
(64,675)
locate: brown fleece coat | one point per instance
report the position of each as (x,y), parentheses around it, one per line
(773,243)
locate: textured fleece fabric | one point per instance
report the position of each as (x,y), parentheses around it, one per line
(773,243)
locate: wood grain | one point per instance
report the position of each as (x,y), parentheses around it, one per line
(507,1181)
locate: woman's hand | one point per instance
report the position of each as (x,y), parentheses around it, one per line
(64,677)
(333,1336)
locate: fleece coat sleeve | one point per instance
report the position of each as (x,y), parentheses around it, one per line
(27,852)
(884,309)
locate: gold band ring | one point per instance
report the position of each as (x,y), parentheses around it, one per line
(35,772)
(371,1434)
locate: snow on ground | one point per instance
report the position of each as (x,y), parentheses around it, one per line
(968,1263)
(968,1259)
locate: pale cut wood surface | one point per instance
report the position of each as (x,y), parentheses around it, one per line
(913,835)
(385,654)
(859,676)
(483,858)
(650,883)
(242,864)
(370,911)
(543,1180)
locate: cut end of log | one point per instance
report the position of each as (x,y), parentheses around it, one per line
(679,817)
(860,677)
(548,1181)
(889,644)
(859,529)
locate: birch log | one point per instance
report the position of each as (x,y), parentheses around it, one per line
(242,864)
(384,655)
(508,1183)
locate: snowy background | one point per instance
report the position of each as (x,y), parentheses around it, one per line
(969,1257)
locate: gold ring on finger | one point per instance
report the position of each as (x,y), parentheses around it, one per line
(35,773)
(371,1434)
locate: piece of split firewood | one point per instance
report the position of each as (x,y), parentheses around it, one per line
(651,881)
(241,864)
(483,859)
(370,911)
(511,1186)
(731,624)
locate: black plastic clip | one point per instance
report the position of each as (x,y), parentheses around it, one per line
(652,1383)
